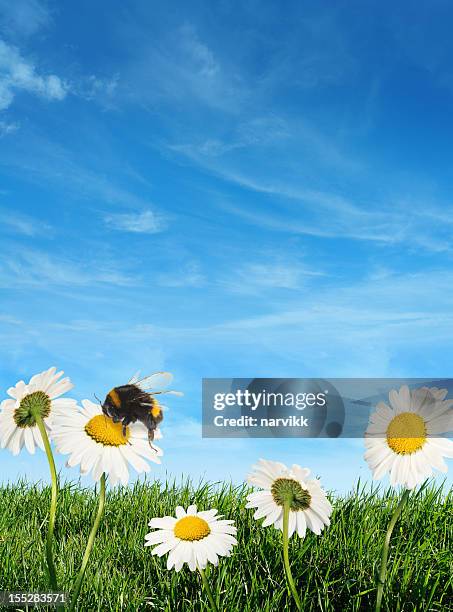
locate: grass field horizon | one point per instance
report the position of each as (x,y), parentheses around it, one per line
(335,571)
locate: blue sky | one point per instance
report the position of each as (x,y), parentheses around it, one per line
(226,189)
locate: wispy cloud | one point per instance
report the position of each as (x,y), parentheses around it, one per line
(314,53)
(252,133)
(97,85)
(362,329)
(24,17)
(46,162)
(19,74)
(22,267)
(180,68)
(327,223)
(144,222)
(100,89)
(295,208)
(188,64)
(372,327)
(256,277)
(388,306)
(287,139)
(262,161)
(189,276)
(22,224)
(8,127)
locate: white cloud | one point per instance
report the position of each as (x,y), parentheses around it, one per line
(22,224)
(36,158)
(8,128)
(389,307)
(189,276)
(180,67)
(202,58)
(314,55)
(29,267)
(268,276)
(397,325)
(145,222)
(257,132)
(289,204)
(312,220)
(18,74)
(98,89)
(255,277)
(23,17)
(97,85)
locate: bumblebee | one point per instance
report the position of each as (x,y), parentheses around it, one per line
(136,401)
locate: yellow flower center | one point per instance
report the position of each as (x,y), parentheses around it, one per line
(103,430)
(406,433)
(191,528)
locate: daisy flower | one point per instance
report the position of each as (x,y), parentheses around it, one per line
(195,538)
(308,504)
(26,418)
(404,437)
(96,443)
(41,397)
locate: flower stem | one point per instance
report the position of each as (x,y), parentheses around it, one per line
(89,546)
(53,502)
(208,590)
(385,549)
(289,576)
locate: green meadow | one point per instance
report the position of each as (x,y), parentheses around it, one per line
(335,571)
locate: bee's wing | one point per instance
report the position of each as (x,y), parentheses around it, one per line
(154,381)
(135,378)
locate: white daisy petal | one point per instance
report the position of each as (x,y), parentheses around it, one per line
(292,523)
(163,548)
(165,522)
(273,516)
(441,424)
(173,555)
(434,457)
(97,468)
(159,536)
(62,386)
(445,446)
(7,432)
(29,440)
(17,441)
(134,460)
(301,525)
(121,465)
(209,515)
(180,512)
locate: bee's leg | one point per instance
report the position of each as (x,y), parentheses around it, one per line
(126,422)
(106,410)
(151,438)
(111,413)
(150,425)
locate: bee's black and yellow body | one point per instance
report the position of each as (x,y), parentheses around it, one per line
(128,404)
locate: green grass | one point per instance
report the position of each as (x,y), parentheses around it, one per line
(335,571)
